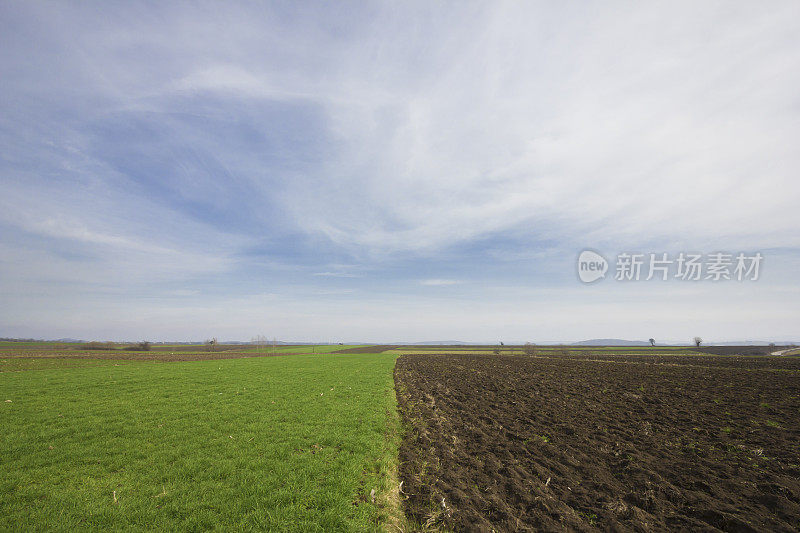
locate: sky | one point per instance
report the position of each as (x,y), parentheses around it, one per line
(395,171)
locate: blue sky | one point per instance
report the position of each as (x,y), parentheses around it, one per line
(394,171)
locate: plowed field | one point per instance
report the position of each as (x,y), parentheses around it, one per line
(514,443)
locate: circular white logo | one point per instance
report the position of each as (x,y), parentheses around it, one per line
(591,266)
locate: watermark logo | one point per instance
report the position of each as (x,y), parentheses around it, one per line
(718,266)
(591,266)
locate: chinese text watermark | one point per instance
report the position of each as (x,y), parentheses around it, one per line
(717,266)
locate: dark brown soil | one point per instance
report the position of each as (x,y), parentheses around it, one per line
(513,443)
(742,362)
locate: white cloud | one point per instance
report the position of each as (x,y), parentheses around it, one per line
(627,125)
(439,282)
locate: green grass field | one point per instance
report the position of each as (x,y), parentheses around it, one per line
(289,443)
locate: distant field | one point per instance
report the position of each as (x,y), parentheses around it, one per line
(570,350)
(306,348)
(60,349)
(81,346)
(547,350)
(42,345)
(27,355)
(296,442)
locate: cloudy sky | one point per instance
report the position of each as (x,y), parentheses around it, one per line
(407,171)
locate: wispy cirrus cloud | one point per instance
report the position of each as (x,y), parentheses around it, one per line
(229,153)
(439,282)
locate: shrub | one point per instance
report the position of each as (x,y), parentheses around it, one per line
(94,345)
(143,346)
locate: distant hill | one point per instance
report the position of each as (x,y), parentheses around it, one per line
(437,343)
(753,343)
(610,342)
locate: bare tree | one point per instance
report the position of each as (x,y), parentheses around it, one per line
(652,342)
(211,344)
(698,341)
(260,341)
(529,349)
